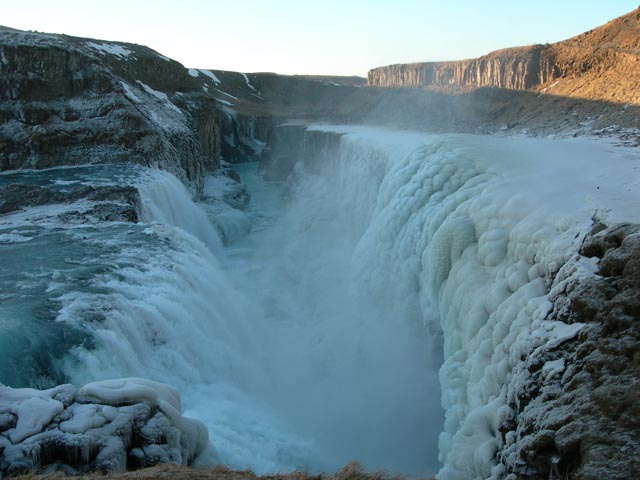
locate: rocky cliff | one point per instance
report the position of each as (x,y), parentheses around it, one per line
(67,100)
(515,68)
(600,64)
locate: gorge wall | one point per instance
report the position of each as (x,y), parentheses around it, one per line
(516,68)
(69,101)
(599,64)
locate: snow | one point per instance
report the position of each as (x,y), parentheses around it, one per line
(166,59)
(34,409)
(128,92)
(246,79)
(111,49)
(193,72)
(133,390)
(227,94)
(224,102)
(160,96)
(99,424)
(211,75)
(553,368)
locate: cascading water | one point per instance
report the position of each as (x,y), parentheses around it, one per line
(402,264)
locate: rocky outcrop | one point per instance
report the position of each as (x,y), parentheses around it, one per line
(108,426)
(576,416)
(113,203)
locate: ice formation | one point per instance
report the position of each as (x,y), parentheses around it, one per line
(471,231)
(108,425)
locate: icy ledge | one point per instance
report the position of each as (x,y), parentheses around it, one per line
(110,425)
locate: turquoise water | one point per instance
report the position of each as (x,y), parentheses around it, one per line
(268,339)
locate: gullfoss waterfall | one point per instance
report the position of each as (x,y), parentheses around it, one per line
(377,310)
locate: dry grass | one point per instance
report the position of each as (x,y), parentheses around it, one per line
(352,471)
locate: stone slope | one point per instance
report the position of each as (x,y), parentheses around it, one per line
(602,64)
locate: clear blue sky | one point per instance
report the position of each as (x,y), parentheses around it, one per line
(345,37)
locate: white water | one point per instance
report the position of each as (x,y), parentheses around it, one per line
(319,338)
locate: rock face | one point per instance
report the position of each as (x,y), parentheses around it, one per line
(602,64)
(68,101)
(577,414)
(117,203)
(109,426)
(516,68)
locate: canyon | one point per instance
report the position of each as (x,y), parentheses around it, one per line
(537,370)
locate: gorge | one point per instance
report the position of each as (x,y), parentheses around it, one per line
(424,282)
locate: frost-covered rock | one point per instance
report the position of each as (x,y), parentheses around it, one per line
(573,408)
(110,425)
(69,101)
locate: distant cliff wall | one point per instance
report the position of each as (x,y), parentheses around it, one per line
(513,68)
(601,64)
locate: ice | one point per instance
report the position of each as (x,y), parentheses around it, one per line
(133,390)
(33,408)
(81,430)
(84,418)
(478,227)
(109,48)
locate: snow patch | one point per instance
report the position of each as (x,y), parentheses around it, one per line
(128,92)
(211,75)
(111,49)
(160,96)
(552,368)
(227,94)
(246,79)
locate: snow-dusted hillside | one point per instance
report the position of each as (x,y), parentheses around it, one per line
(67,101)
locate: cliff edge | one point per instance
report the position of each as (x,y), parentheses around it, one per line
(601,64)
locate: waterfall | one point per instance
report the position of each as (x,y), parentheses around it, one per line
(462,234)
(377,311)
